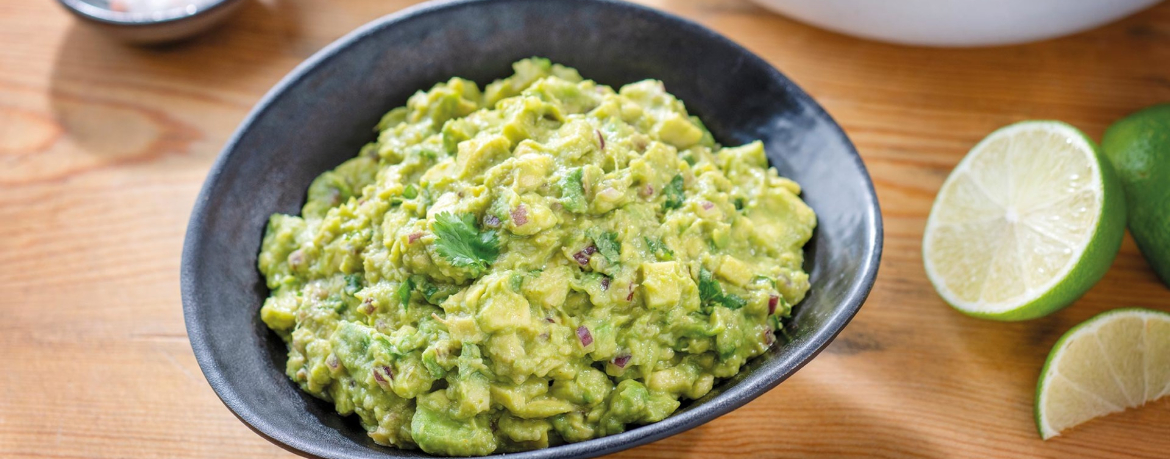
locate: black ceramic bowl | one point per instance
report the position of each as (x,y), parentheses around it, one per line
(321,113)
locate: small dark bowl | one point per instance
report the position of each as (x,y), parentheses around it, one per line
(321,113)
(153,27)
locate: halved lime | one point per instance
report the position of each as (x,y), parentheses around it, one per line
(1027,222)
(1116,360)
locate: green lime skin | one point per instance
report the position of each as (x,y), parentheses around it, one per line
(1099,254)
(1052,354)
(1139,148)
(1093,264)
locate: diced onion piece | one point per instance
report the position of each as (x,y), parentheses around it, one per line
(584,335)
(520,215)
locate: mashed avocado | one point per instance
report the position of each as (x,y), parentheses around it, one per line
(545,260)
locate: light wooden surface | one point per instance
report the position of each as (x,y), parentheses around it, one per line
(103,148)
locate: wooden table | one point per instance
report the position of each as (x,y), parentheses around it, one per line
(103,148)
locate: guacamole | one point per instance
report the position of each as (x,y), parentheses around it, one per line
(542,260)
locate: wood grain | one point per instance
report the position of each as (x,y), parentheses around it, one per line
(103,148)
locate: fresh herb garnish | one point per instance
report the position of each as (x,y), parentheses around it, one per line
(517,281)
(673,192)
(608,245)
(459,240)
(711,292)
(709,289)
(659,248)
(428,290)
(573,192)
(403,292)
(353,283)
(733,301)
(432,364)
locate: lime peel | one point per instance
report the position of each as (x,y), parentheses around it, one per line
(1027,222)
(1086,376)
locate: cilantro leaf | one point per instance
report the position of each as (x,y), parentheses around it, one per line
(404,290)
(353,283)
(709,289)
(459,240)
(573,192)
(733,301)
(431,362)
(608,245)
(517,281)
(659,248)
(711,292)
(426,288)
(673,192)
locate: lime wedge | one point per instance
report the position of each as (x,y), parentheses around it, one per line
(1119,359)
(1027,222)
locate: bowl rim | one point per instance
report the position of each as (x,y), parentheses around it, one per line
(736,396)
(91,12)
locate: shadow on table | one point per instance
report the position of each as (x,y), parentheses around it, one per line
(827,418)
(114,101)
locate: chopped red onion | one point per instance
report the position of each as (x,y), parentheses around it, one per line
(600,138)
(520,215)
(491,221)
(633,287)
(368,306)
(707,205)
(382,380)
(550,320)
(769,338)
(296,258)
(413,237)
(583,256)
(332,362)
(621,360)
(604,283)
(772,301)
(584,335)
(647,191)
(640,143)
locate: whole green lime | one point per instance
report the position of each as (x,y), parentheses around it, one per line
(1139,148)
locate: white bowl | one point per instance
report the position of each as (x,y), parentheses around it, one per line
(957,22)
